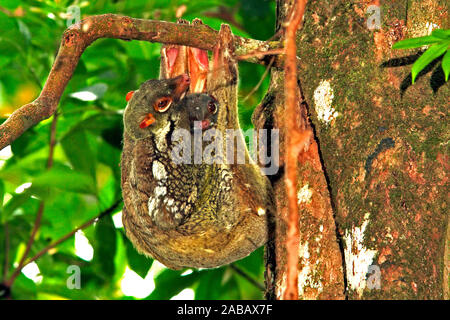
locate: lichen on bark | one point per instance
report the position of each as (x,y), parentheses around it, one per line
(386,153)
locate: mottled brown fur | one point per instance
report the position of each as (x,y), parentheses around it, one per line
(222,208)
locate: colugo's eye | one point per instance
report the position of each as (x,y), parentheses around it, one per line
(212,107)
(162,104)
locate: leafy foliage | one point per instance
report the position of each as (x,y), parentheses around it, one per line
(439,42)
(84,180)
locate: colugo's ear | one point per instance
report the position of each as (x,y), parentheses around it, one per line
(223,78)
(129,95)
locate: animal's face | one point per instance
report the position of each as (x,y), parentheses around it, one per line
(157,101)
(202,110)
(150,107)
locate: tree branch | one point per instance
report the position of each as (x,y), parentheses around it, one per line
(295,143)
(246,276)
(6,262)
(82,34)
(266,72)
(111,209)
(71,233)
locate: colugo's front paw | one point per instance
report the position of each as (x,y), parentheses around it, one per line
(176,60)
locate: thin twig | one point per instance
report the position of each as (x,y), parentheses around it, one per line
(260,54)
(40,212)
(37,223)
(6,11)
(266,72)
(247,277)
(71,233)
(6,264)
(293,148)
(225,14)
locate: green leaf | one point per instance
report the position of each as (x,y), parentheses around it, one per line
(25,31)
(170,282)
(105,246)
(253,264)
(120,259)
(210,284)
(2,252)
(110,156)
(140,49)
(107,187)
(2,193)
(231,289)
(30,141)
(428,56)
(76,147)
(10,4)
(4,61)
(65,179)
(24,288)
(257,13)
(91,93)
(17,201)
(440,33)
(446,64)
(99,122)
(416,42)
(137,262)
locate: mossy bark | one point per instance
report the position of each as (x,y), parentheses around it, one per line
(383,144)
(320,272)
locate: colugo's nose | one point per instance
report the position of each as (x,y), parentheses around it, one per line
(183,80)
(197,114)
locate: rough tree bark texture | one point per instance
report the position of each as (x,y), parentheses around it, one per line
(320,273)
(384,146)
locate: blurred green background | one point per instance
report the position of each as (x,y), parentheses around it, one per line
(84,180)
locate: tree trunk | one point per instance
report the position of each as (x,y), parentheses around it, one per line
(380,150)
